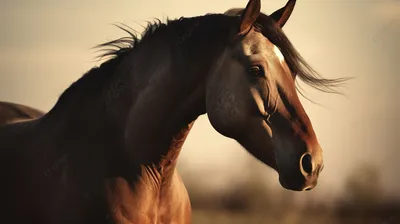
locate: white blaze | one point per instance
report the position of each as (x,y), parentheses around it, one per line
(279,54)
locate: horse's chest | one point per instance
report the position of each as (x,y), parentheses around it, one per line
(174,206)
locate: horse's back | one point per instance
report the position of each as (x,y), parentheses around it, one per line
(17,147)
(17,125)
(15,132)
(12,112)
(36,176)
(18,169)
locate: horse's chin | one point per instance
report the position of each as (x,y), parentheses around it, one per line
(287,186)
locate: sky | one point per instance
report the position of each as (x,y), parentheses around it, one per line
(45,45)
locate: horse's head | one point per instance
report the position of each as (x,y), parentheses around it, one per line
(252,98)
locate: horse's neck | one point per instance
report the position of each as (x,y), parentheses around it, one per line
(156,126)
(162,113)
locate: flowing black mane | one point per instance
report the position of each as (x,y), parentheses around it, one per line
(121,46)
(265,24)
(187,29)
(183,29)
(183,32)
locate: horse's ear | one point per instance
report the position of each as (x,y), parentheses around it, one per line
(249,16)
(282,15)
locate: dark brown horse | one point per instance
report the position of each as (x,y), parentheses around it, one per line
(12,113)
(107,151)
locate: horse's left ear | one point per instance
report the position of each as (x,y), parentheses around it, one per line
(282,15)
(249,16)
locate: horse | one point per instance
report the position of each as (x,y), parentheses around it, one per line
(13,112)
(107,150)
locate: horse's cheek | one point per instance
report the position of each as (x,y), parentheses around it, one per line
(226,113)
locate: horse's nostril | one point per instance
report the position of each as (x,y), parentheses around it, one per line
(306,163)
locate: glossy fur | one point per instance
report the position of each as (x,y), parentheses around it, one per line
(107,151)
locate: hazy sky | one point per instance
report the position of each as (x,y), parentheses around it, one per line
(45,46)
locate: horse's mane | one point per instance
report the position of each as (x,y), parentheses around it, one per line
(264,23)
(117,49)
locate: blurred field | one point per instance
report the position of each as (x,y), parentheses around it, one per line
(253,202)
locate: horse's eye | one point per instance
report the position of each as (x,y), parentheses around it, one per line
(256,71)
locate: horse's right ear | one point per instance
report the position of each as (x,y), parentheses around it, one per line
(249,16)
(282,15)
